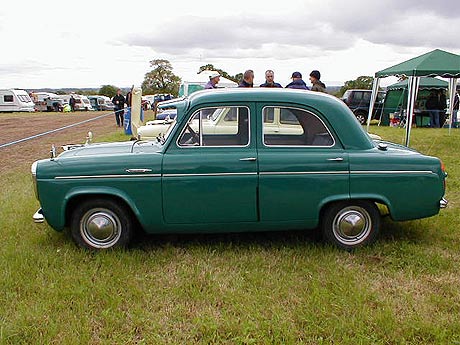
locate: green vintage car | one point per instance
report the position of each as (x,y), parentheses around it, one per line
(327,174)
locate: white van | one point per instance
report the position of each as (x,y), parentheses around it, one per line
(15,100)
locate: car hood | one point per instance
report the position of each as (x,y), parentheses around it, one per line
(112,148)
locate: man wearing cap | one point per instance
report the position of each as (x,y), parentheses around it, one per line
(317,84)
(213,80)
(297,82)
(248,78)
(269,80)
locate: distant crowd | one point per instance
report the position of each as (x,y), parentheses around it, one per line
(297,81)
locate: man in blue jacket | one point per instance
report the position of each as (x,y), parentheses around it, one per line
(297,82)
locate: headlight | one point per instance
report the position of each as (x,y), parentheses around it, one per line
(33,169)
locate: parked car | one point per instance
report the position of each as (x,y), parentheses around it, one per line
(166,114)
(13,100)
(101,103)
(330,176)
(222,120)
(359,100)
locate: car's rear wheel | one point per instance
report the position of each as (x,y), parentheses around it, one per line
(101,224)
(352,224)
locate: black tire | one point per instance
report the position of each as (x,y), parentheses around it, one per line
(362,117)
(101,224)
(351,224)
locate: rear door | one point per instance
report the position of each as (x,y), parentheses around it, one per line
(298,173)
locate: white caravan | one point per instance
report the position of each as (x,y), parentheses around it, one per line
(15,100)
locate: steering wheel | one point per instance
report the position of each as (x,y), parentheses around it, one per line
(195,136)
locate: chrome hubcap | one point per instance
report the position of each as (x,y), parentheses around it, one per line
(352,225)
(100,228)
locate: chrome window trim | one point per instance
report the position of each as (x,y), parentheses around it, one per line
(201,129)
(77,177)
(303,146)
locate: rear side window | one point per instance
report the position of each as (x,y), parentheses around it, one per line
(8,98)
(297,127)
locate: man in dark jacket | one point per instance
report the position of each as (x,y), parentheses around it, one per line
(297,82)
(119,101)
(432,106)
(248,79)
(317,84)
(269,80)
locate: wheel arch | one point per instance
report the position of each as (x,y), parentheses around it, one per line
(78,196)
(377,199)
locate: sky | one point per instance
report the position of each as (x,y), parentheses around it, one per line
(92,43)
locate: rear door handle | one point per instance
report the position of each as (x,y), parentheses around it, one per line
(248,159)
(337,159)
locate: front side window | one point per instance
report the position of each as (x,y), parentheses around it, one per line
(297,127)
(217,126)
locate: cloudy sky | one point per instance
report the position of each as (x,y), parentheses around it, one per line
(90,43)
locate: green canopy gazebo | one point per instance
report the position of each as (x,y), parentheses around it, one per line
(396,97)
(437,63)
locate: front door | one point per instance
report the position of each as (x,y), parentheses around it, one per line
(209,176)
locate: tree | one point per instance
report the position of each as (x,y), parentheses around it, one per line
(161,79)
(108,90)
(362,82)
(209,67)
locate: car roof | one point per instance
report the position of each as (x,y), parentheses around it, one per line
(335,111)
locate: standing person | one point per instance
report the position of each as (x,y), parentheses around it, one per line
(442,105)
(455,111)
(297,82)
(317,84)
(432,106)
(119,101)
(214,79)
(248,79)
(72,103)
(269,80)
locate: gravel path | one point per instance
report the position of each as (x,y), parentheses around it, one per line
(17,126)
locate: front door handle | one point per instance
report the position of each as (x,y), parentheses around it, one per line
(248,159)
(337,159)
(136,171)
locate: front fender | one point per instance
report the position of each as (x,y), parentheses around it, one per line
(57,217)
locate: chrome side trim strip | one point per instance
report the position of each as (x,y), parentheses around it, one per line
(104,176)
(412,172)
(335,172)
(211,174)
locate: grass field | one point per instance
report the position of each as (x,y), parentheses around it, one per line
(264,288)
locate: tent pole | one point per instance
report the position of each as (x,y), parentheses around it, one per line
(413,84)
(452,90)
(375,90)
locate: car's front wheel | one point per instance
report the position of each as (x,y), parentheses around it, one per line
(101,224)
(352,224)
